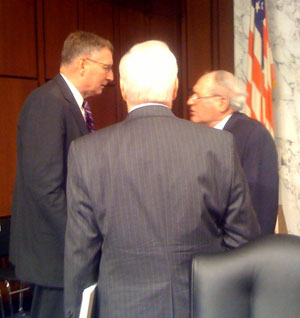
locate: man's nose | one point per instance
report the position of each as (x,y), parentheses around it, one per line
(110,75)
(190,101)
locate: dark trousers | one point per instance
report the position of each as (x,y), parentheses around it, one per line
(47,302)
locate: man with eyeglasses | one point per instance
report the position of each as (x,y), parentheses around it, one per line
(53,115)
(216,101)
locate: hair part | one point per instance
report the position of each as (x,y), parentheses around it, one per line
(226,84)
(148,72)
(82,43)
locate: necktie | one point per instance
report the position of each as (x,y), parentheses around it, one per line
(88,117)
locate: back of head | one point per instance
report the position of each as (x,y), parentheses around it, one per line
(226,84)
(82,43)
(148,73)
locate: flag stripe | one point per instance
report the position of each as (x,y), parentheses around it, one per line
(261,75)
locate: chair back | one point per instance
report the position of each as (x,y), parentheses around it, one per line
(259,280)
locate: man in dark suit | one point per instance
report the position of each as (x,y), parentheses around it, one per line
(148,193)
(50,119)
(217,99)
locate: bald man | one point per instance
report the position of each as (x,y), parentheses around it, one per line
(217,101)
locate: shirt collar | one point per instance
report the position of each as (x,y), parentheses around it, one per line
(74,90)
(220,125)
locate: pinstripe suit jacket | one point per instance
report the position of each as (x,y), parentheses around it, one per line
(150,192)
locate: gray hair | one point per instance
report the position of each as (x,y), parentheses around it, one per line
(148,72)
(81,42)
(226,84)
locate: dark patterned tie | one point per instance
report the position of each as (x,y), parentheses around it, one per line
(88,117)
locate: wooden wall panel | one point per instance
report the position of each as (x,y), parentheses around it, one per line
(209,34)
(97,17)
(132,28)
(199,39)
(226,61)
(17,41)
(60,19)
(165,7)
(13,93)
(166,28)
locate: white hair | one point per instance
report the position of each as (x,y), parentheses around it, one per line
(226,84)
(148,72)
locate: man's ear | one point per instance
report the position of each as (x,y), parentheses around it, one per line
(175,89)
(82,66)
(224,104)
(122,90)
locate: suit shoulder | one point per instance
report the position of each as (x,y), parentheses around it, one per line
(241,124)
(208,137)
(42,103)
(50,89)
(101,134)
(44,96)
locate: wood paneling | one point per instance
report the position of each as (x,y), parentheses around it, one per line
(97,17)
(225,38)
(132,28)
(60,18)
(17,40)
(13,93)
(199,39)
(209,37)
(165,8)
(166,28)
(200,34)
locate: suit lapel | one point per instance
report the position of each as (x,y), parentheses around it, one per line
(73,107)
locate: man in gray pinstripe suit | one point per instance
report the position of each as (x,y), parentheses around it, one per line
(148,193)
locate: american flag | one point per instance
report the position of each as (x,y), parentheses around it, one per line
(261,75)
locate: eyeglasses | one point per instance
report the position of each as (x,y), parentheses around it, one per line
(106,67)
(202,97)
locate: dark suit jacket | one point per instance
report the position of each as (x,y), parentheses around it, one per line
(49,120)
(258,156)
(150,192)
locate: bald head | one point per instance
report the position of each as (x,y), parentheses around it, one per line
(216,95)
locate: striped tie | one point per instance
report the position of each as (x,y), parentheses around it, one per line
(88,117)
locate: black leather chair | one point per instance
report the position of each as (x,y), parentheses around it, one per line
(259,280)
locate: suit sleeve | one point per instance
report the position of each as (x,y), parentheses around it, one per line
(83,239)
(240,224)
(260,164)
(42,133)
